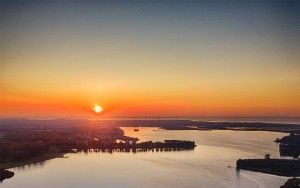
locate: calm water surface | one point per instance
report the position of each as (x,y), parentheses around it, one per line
(211,164)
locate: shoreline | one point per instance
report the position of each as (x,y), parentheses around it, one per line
(205,125)
(279,167)
(199,126)
(37,159)
(227,129)
(167,145)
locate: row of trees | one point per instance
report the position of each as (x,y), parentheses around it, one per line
(15,151)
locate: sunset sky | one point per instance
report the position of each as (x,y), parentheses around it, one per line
(149,58)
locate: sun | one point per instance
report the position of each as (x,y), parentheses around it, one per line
(98,108)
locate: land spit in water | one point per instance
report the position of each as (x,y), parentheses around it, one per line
(5,174)
(30,141)
(280,167)
(289,146)
(292,183)
(36,141)
(167,146)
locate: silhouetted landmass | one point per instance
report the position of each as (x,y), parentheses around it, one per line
(167,145)
(241,126)
(24,141)
(289,145)
(39,140)
(281,167)
(5,174)
(203,125)
(291,183)
(162,123)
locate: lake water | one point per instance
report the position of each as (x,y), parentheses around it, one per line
(211,164)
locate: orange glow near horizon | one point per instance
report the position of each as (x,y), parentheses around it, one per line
(139,60)
(144,107)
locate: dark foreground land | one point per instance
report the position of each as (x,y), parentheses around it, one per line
(24,141)
(281,167)
(292,183)
(31,141)
(289,146)
(5,174)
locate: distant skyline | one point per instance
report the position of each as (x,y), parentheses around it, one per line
(149,58)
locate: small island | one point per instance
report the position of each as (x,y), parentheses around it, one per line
(5,174)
